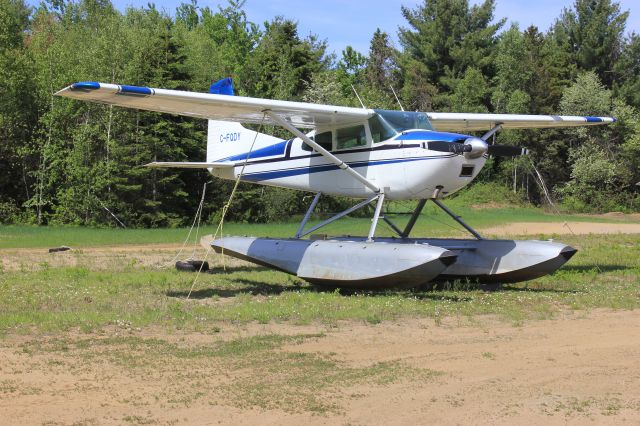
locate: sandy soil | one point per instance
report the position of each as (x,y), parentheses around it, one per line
(561,228)
(572,370)
(576,369)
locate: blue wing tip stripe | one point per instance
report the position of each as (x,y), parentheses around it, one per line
(135,90)
(600,119)
(85,85)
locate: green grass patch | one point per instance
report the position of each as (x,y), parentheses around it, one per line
(433,222)
(481,205)
(605,273)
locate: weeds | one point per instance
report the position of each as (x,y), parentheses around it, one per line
(604,274)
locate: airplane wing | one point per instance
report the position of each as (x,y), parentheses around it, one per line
(215,107)
(459,122)
(300,114)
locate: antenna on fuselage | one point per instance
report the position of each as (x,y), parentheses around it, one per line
(358,96)
(397,99)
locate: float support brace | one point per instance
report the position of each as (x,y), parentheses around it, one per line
(308,215)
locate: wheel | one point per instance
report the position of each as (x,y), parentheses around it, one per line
(197,264)
(185,266)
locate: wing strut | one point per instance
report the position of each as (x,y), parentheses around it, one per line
(326,154)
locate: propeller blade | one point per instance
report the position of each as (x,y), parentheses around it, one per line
(454,147)
(506,151)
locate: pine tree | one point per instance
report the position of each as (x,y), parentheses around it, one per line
(17,110)
(595,29)
(446,38)
(627,71)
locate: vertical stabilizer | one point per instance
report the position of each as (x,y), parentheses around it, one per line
(226,139)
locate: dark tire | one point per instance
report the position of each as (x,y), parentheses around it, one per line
(59,249)
(185,266)
(489,287)
(197,264)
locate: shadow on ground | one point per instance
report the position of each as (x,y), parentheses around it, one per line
(233,269)
(594,267)
(431,291)
(246,286)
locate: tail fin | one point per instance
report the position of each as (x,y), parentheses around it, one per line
(227,139)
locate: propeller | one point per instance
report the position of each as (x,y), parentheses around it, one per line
(452,147)
(476,147)
(506,151)
(471,147)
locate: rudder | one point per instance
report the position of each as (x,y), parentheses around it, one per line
(226,138)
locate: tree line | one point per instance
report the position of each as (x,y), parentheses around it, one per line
(64,161)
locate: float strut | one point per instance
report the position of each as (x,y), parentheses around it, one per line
(457,218)
(413,219)
(339,215)
(392,225)
(308,215)
(376,215)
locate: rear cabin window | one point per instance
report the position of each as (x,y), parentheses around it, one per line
(323,139)
(351,137)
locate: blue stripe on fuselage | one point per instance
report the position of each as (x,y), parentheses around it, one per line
(280,147)
(275,174)
(267,151)
(431,136)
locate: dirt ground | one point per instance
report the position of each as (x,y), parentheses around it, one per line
(579,368)
(572,370)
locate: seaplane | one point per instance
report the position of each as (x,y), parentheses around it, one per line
(370,155)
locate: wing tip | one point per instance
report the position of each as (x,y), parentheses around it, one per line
(601,120)
(90,86)
(85,85)
(81,86)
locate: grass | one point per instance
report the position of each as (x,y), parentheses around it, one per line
(110,322)
(474,205)
(433,223)
(605,273)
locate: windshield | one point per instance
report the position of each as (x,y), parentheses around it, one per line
(405,120)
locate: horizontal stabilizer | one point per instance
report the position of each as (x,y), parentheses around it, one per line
(187,165)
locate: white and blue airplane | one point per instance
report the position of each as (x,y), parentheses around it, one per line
(368,154)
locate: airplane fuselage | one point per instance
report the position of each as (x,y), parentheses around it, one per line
(403,167)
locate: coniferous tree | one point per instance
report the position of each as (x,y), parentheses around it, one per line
(446,38)
(17,110)
(595,30)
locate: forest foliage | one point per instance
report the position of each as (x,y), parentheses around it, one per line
(71,162)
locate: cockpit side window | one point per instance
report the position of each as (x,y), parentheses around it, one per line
(351,137)
(380,129)
(324,139)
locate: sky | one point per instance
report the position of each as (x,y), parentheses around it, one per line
(353,22)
